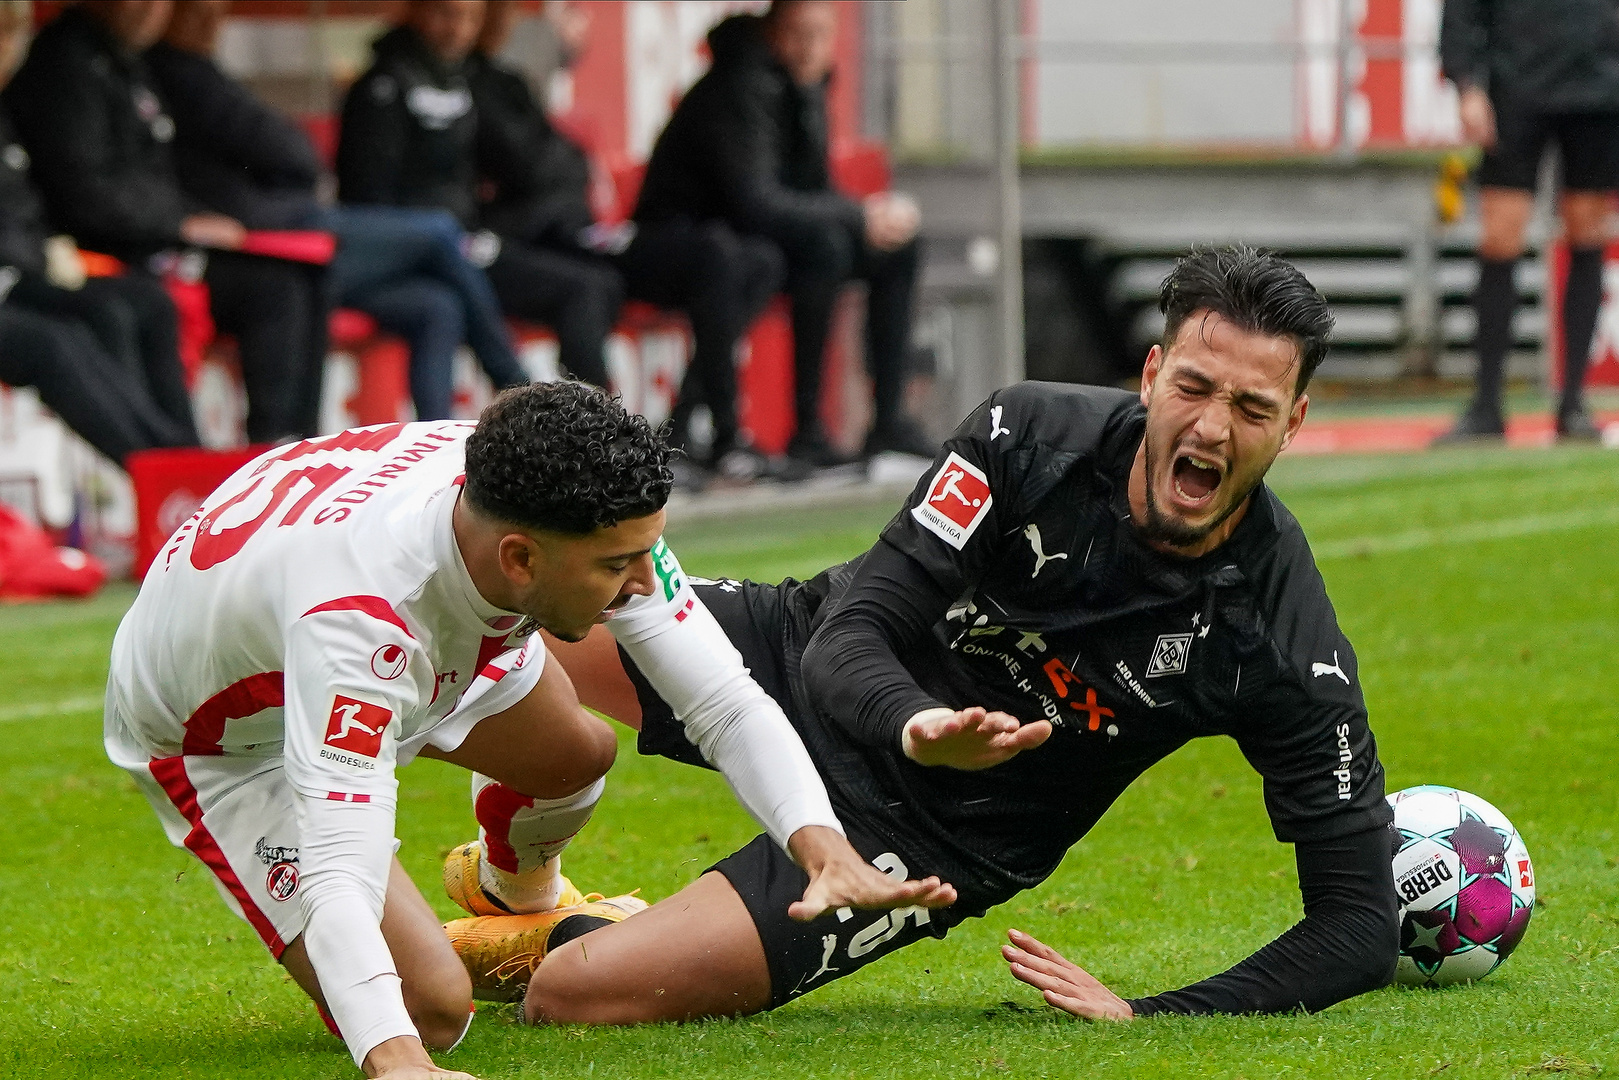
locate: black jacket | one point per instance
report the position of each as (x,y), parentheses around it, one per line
(232,152)
(1545,55)
(747,145)
(100,140)
(22,216)
(538,179)
(409,132)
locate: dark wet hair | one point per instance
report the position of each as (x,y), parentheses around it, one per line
(565,457)
(1257,291)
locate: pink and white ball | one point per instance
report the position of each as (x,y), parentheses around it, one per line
(1465,883)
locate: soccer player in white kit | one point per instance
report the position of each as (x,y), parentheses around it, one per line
(342,605)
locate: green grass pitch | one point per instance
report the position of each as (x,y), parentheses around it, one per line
(1481,590)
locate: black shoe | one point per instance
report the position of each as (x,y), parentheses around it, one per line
(902,436)
(1475,425)
(743,464)
(811,448)
(1576,425)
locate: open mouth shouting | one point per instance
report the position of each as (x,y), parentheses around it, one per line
(1195,479)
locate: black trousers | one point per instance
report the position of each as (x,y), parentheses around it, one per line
(574,293)
(277,311)
(134,322)
(99,397)
(821,257)
(721,280)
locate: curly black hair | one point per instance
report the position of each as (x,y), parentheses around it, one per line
(566,457)
(1256,290)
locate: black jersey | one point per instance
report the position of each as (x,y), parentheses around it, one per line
(1014,579)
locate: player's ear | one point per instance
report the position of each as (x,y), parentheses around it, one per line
(1149,372)
(520,557)
(1295,419)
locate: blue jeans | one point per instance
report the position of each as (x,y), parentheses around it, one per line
(403,267)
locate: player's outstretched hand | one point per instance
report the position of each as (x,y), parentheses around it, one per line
(971,738)
(840,878)
(1064,984)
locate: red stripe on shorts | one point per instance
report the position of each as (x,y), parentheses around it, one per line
(374,606)
(244,697)
(496,806)
(344,796)
(171,774)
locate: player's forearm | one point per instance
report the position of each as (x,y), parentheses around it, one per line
(344,860)
(1346,945)
(739,729)
(852,667)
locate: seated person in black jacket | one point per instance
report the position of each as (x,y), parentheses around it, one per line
(98,351)
(748,146)
(99,134)
(403,267)
(539,194)
(408,139)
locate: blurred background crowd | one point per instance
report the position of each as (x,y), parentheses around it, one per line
(229,224)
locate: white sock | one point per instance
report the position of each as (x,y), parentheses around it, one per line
(523,839)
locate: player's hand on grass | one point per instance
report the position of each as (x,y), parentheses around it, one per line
(970,738)
(840,878)
(1064,984)
(404,1058)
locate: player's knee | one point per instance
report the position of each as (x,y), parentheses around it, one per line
(440,1012)
(568,989)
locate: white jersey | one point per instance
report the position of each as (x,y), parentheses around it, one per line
(316,610)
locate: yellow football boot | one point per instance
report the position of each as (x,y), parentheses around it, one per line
(464,885)
(500,952)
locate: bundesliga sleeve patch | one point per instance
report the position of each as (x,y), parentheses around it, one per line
(956,501)
(354,732)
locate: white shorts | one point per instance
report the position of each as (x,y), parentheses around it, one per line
(235,813)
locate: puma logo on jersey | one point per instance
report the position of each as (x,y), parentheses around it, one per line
(1032,532)
(1319,669)
(995,429)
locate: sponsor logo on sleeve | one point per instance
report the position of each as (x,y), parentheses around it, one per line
(354,732)
(388,662)
(670,577)
(957,500)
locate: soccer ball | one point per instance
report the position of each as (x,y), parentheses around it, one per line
(1465,884)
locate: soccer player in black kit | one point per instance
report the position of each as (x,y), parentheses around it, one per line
(1085,581)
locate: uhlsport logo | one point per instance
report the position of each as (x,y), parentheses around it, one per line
(956,502)
(355,726)
(388,662)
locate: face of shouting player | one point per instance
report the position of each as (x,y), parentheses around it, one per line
(569,583)
(1220,406)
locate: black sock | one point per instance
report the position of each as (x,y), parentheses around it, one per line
(1582,299)
(574,926)
(1494,302)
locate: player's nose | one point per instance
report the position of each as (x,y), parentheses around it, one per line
(642,580)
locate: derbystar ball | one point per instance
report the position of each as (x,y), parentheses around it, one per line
(1465,884)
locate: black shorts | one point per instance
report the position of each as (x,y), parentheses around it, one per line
(1587,144)
(802,956)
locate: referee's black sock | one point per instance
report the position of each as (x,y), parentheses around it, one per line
(1494,303)
(1582,299)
